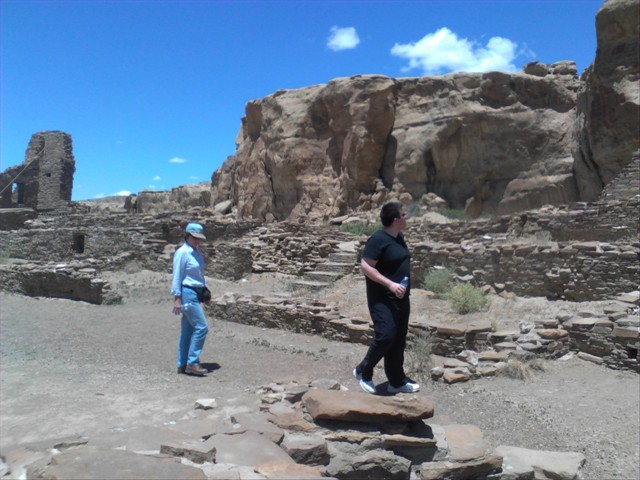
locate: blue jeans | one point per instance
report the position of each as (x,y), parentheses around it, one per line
(193,330)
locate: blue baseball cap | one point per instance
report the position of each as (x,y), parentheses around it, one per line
(195,230)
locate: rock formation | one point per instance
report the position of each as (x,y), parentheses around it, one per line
(328,149)
(609,104)
(491,142)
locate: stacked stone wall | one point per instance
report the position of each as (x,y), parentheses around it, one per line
(74,281)
(299,315)
(574,271)
(45,178)
(114,238)
(292,248)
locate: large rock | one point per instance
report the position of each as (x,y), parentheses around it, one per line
(361,407)
(609,103)
(95,463)
(469,456)
(523,463)
(248,449)
(184,197)
(320,151)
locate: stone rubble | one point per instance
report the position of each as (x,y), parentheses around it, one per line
(295,431)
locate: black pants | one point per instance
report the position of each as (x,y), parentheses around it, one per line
(390,324)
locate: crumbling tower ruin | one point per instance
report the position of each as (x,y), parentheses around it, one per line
(44,180)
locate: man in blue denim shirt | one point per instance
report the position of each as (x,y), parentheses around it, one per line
(188,279)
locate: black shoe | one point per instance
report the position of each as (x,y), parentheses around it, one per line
(181,369)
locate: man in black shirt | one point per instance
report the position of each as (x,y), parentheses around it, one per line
(386,264)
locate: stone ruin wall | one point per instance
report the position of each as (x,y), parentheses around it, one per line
(44,181)
(527,262)
(63,255)
(524,265)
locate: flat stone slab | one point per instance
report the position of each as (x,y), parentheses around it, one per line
(362,407)
(552,333)
(493,356)
(524,463)
(141,439)
(289,471)
(466,442)
(259,423)
(470,470)
(248,449)
(95,463)
(193,450)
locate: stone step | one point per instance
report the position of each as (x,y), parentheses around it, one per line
(342,268)
(342,257)
(313,286)
(154,241)
(320,276)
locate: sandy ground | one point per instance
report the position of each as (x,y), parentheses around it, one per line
(74,368)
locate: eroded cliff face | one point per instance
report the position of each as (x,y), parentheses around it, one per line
(491,142)
(353,143)
(609,105)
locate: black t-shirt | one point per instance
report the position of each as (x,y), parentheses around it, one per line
(393,259)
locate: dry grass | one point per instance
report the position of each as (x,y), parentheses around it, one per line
(520,370)
(417,360)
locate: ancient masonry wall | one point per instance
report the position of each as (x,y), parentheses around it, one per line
(476,349)
(44,181)
(577,271)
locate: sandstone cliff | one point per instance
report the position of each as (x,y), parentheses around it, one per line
(491,142)
(609,104)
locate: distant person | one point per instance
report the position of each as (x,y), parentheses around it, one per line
(385,264)
(189,290)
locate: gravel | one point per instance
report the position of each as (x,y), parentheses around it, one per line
(73,368)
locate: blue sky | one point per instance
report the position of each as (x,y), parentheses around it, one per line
(153,91)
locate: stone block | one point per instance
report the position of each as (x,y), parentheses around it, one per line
(519,463)
(96,463)
(288,471)
(470,470)
(306,449)
(247,449)
(193,450)
(619,332)
(361,407)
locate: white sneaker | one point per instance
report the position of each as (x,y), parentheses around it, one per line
(414,384)
(368,386)
(409,387)
(356,374)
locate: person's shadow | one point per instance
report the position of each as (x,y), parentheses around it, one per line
(211,367)
(383,391)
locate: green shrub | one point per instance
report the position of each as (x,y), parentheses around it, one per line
(438,281)
(466,298)
(359,228)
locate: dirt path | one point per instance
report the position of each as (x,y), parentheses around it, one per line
(69,367)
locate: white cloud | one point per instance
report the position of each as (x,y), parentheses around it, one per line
(156,178)
(193,177)
(177,160)
(100,195)
(122,193)
(343,38)
(442,52)
(151,187)
(525,51)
